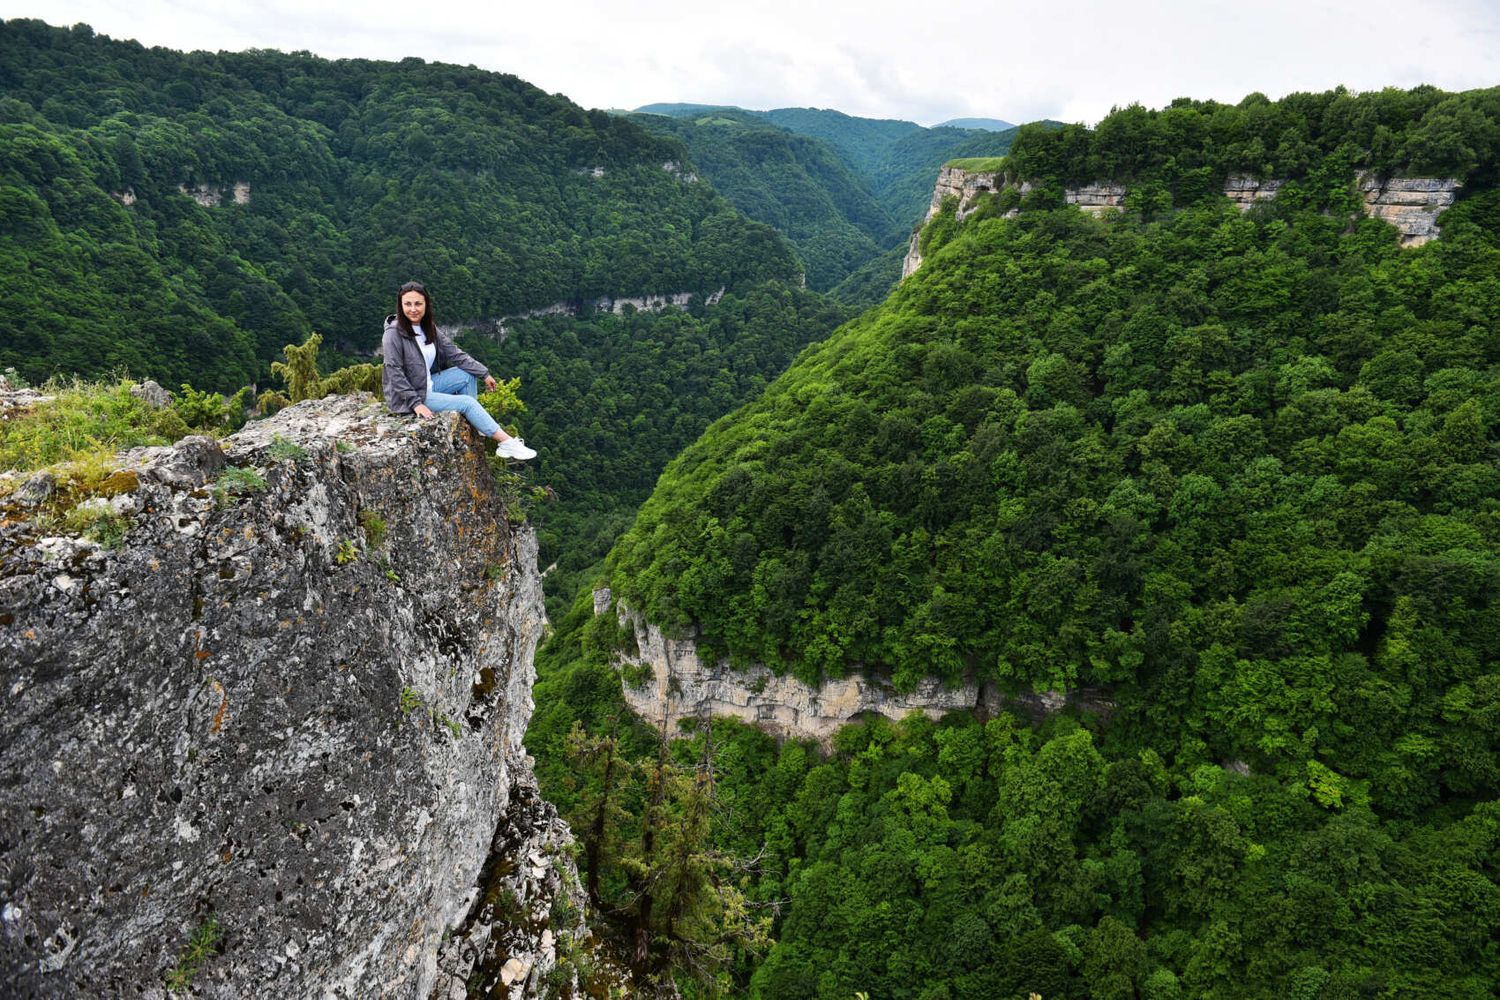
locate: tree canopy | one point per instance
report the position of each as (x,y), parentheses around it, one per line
(320,186)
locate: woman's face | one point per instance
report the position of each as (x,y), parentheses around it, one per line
(414,304)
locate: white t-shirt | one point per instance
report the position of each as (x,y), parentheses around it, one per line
(429,350)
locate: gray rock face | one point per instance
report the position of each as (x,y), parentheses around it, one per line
(152,394)
(14,400)
(953,182)
(529,882)
(1096,199)
(1246,191)
(286,720)
(678,684)
(1411,204)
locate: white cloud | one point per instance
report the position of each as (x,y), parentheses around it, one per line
(1070,59)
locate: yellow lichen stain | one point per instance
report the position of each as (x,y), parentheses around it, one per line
(155,565)
(249,532)
(119,482)
(30,634)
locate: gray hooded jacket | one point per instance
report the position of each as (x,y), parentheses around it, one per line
(405,376)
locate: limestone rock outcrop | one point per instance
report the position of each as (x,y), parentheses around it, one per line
(1411,204)
(210,195)
(497,328)
(676,683)
(267,744)
(1096,199)
(1246,192)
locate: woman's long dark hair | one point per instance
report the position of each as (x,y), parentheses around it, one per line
(429,325)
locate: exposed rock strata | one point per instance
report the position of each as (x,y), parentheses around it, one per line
(1411,204)
(679,685)
(209,195)
(498,329)
(259,722)
(1246,192)
(1096,199)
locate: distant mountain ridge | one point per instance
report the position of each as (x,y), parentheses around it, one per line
(796,183)
(894,162)
(988,124)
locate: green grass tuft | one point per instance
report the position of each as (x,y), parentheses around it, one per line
(203,943)
(84,419)
(979,164)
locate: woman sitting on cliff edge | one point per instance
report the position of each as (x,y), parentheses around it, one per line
(428,373)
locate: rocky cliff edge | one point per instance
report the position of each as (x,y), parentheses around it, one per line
(667,679)
(270,743)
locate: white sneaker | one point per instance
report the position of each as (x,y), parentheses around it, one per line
(514,448)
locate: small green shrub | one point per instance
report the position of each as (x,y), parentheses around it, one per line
(235,481)
(97,523)
(374,526)
(347,552)
(203,411)
(503,399)
(411,699)
(203,943)
(283,450)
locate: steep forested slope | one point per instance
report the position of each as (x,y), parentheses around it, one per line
(903,178)
(612,398)
(353,176)
(791,182)
(1236,471)
(896,161)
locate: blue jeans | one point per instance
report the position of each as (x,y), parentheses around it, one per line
(456,389)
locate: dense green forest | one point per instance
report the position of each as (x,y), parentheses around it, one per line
(357,175)
(794,183)
(896,161)
(611,399)
(1236,471)
(1187,148)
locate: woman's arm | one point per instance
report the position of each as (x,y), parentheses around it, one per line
(450,356)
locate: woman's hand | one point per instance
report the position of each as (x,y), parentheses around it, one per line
(423,412)
(489,382)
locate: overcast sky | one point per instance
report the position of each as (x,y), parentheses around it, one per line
(923,61)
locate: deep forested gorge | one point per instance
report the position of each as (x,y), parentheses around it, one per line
(352,177)
(842,189)
(1236,472)
(1233,473)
